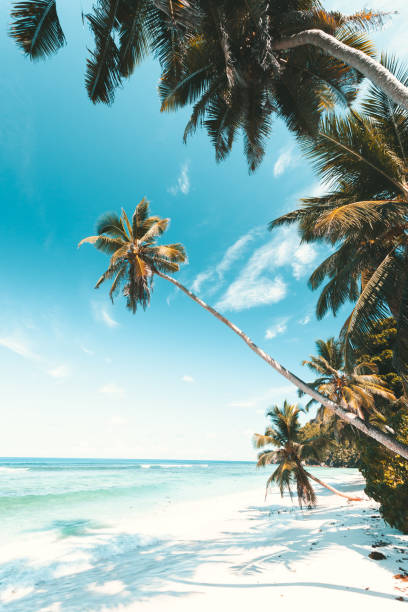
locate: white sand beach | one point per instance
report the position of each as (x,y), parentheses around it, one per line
(226,553)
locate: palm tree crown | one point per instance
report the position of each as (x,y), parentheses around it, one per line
(356,389)
(135,256)
(221,55)
(288,453)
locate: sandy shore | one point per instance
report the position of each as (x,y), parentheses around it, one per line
(230,553)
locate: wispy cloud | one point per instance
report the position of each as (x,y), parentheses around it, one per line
(200,279)
(231,255)
(19,347)
(183,181)
(280,327)
(112,389)
(106,318)
(255,284)
(60,372)
(275,394)
(118,420)
(87,350)
(187,379)
(305,320)
(101,314)
(242,404)
(286,160)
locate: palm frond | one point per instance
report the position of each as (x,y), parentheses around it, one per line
(36,28)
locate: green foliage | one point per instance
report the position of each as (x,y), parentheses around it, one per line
(217,55)
(386,474)
(135,256)
(364,216)
(290,451)
(336,454)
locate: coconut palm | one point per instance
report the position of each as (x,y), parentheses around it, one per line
(364,216)
(238,61)
(289,453)
(357,389)
(135,256)
(135,259)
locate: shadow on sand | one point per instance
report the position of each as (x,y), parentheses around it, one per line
(124,568)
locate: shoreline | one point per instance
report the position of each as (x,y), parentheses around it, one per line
(233,552)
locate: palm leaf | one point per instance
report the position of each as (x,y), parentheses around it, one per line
(36,28)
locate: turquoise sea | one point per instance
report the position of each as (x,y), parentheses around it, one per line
(70,495)
(65,522)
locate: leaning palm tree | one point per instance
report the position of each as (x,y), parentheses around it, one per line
(135,259)
(289,454)
(239,61)
(357,389)
(364,216)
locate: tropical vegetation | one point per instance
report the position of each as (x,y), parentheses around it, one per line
(362,218)
(135,259)
(239,62)
(289,452)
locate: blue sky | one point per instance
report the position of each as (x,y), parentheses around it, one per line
(81,377)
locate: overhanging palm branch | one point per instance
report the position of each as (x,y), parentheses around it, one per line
(36,28)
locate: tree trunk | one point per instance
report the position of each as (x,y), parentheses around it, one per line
(369,67)
(393,445)
(320,482)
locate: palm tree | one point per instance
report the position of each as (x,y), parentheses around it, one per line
(239,61)
(136,259)
(364,216)
(289,453)
(355,389)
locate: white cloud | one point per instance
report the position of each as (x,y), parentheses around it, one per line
(242,404)
(200,279)
(273,394)
(112,389)
(87,350)
(285,160)
(304,255)
(187,379)
(249,290)
(231,255)
(275,330)
(118,420)
(234,252)
(306,319)
(60,372)
(19,347)
(101,314)
(183,182)
(106,318)
(254,285)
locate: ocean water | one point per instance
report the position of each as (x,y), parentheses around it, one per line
(70,495)
(64,522)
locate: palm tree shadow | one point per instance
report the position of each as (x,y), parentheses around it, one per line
(122,569)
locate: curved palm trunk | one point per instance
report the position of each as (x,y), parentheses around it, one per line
(387,441)
(332,489)
(369,67)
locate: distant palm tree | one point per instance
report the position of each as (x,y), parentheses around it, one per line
(238,61)
(136,259)
(357,389)
(289,453)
